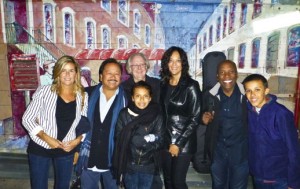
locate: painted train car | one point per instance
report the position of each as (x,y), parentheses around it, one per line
(262,36)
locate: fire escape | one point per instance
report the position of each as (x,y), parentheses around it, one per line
(39,44)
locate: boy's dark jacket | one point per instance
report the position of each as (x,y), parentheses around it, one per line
(274,150)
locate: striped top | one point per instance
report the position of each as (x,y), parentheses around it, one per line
(40,115)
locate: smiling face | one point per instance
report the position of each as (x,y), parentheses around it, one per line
(138,68)
(68,75)
(111,76)
(175,64)
(256,93)
(141,97)
(227,76)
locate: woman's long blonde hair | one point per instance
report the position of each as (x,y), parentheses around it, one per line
(59,65)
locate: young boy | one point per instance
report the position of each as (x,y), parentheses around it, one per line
(274,153)
(138,136)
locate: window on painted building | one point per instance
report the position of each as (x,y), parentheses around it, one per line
(147,34)
(200,46)
(106,5)
(137,23)
(293,51)
(242,53)
(257,6)
(123,11)
(68,29)
(231,17)
(122,42)
(210,36)
(255,53)
(230,53)
(204,41)
(48,22)
(218,30)
(224,21)
(136,46)
(105,38)
(244,13)
(90,35)
(272,53)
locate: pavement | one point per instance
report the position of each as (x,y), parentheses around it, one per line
(14,174)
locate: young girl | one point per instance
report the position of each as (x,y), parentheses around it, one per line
(138,136)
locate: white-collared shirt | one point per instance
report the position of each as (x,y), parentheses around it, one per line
(104,106)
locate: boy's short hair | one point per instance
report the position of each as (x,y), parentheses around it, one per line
(142,84)
(256,77)
(108,61)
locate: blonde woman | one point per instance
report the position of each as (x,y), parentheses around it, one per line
(51,120)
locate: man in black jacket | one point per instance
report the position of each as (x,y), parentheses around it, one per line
(225,114)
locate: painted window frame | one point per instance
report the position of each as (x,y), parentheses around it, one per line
(231,25)
(93,45)
(229,51)
(147,35)
(70,11)
(104,7)
(272,52)
(255,50)
(244,10)
(123,13)
(122,37)
(137,17)
(242,55)
(204,41)
(218,29)
(106,45)
(225,13)
(52,37)
(257,8)
(210,35)
(293,47)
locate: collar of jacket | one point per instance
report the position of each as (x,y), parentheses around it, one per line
(214,91)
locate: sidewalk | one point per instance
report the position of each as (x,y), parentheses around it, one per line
(14,174)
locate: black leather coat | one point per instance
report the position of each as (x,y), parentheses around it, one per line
(144,154)
(181,114)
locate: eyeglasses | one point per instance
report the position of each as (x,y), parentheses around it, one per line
(175,61)
(138,66)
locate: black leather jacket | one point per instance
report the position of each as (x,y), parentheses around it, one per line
(181,114)
(143,155)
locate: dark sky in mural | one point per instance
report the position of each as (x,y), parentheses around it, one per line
(182,19)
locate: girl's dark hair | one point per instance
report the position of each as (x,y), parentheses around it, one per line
(256,77)
(165,72)
(141,84)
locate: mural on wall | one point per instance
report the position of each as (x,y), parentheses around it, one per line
(93,31)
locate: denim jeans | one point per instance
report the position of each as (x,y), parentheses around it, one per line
(90,180)
(175,170)
(138,181)
(39,171)
(270,184)
(226,175)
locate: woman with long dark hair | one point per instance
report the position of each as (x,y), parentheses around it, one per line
(180,100)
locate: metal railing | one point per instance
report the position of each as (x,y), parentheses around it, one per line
(45,50)
(48,44)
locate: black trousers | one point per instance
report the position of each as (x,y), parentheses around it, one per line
(175,170)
